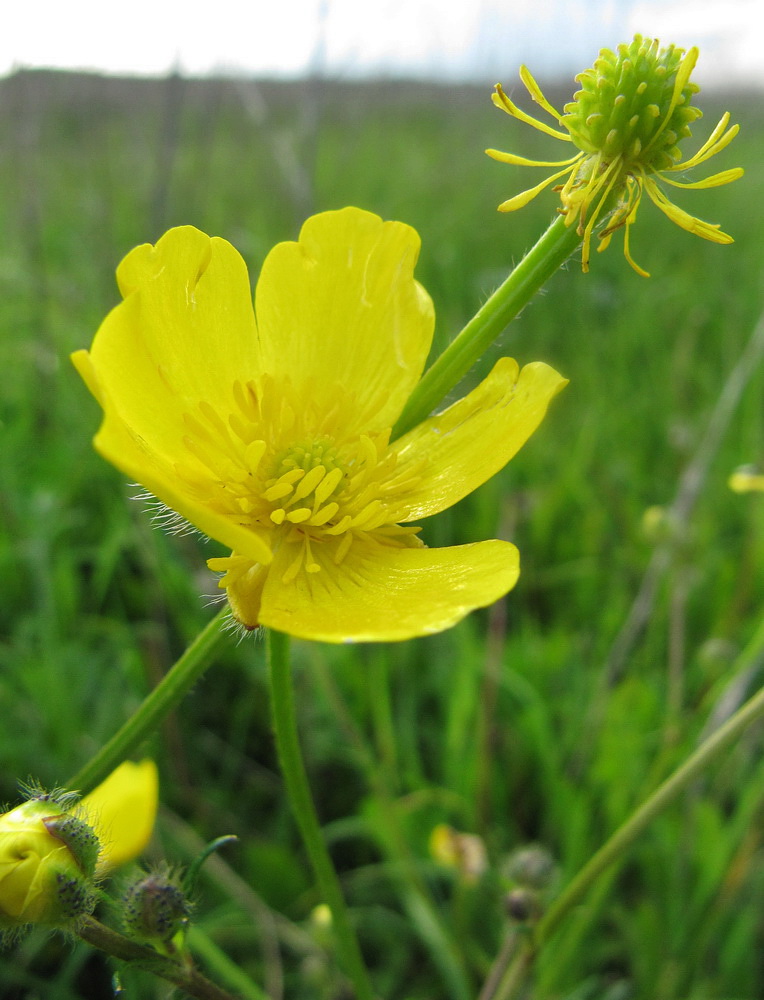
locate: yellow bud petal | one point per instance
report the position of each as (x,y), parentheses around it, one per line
(122,811)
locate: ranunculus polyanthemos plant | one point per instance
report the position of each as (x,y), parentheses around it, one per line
(303,434)
(269,428)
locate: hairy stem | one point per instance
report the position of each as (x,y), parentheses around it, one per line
(615,848)
(155,707)
(298,789)
(186,977)
(538,265)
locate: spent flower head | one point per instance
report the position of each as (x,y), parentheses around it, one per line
(270,429)
(627,121)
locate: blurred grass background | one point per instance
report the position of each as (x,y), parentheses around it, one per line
(520,725)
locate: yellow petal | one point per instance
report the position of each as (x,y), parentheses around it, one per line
(536,93)
(683,74)
(715,143)
(122,811)
(522,161)
(627,246)
(715,180)
(122,445)
(185,333)
(341,308)
(501,100)
(708,230)
(462,447)
(382,594)
(522,199)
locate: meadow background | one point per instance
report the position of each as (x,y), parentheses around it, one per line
(538,721)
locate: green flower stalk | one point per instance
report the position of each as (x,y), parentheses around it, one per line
(627,122)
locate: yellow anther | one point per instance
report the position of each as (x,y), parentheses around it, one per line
(278,491)
(291,477)
(299,515)
(324,514)
(309,482)
(328,485)
(343,525)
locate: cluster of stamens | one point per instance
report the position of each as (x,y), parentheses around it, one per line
(274,468)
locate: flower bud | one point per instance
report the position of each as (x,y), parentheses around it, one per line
(531,867)
(47,864)
(464,852)
(155,907)
(746,479)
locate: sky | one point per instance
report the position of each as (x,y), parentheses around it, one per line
(451,40)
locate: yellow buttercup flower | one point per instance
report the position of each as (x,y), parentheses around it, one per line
(53,849)
(269,430)
(464,852)
(627,122)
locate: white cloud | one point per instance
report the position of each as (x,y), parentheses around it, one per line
(447,38)
(729,35)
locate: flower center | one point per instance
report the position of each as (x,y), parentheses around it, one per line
(306,478)
(275,469)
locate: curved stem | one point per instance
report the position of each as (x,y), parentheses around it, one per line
(614,848)
(216,960)
(538,265)
(186,977)
(298,789)
(155,707)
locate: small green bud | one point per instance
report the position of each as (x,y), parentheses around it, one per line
(155,907)
(531,867)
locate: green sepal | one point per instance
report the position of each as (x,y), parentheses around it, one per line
(79,837)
